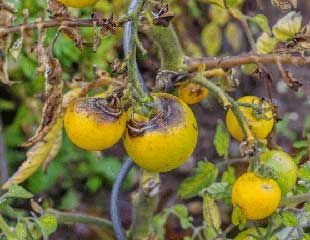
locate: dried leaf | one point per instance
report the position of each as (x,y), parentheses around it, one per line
(35,156)
(6,19)
(52,105)
(57,9)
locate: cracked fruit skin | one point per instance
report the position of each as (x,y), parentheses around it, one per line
(257,197)
(283,166)
(259,127)
(93,125)
(165,140)
(78,3)
(192,93)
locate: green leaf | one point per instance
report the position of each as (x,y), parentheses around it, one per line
(221,139)
(21,231)
(182,213)
(159,222)
(70,200)
(289,219)
(229,176)
(218,15)
(211,213)
(306,236)
(211,38)
(265,44)
(307,207)
(238,218)
(233,3)
(262,21)
(219,190)
(301,144)
(49,223)
(304,172)
(220,3)
(204,175)
(16,191)
(234,36)
(209,233)
(249,69)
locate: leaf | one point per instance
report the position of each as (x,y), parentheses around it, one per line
(182,213)
(37,154)
(221,139)
(301,144)
(220,3)
(211,213)
(262,21)
(49,223)
(218,15)
(219,190)
(287,26)
(21,231)
(159,222)
(204,175)
(289,219)
(304,171)
(238,218)
(70,200)
(249,69)
(234,36)
(307,207)
(211,38)
(209,233)
(234,3)
(16,191)
(229,176)
(265,44)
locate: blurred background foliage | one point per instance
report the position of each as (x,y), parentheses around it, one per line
(80,179)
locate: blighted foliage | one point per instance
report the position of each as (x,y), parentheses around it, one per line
(80,38)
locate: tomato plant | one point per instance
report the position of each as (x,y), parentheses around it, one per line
(97,100)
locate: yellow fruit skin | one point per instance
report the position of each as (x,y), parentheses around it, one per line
(257,197)
(260,127)
(78,3)
(192,93)
(91,129)
(168,145)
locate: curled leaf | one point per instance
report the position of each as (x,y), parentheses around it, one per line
(265,44)
(211,213)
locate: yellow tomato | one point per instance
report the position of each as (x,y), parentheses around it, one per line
(257,197)
(93,125)
(192,93)
(166,140)
(260,121)
(78,3)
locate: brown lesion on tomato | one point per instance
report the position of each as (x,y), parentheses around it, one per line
(169,114)
(101,109)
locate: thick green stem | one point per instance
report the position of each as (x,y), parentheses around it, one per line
(144,203)
(170,50)
(228,102)
(72,218)
(132,55)
(6,230)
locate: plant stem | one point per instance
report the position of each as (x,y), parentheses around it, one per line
(60,22)
(234,61)
(170,50)
(297,199)
(72,218)
(228,102)
(133,77)
(6,229)
(144,203)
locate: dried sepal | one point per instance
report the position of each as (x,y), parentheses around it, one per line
(288,78)
(57,9)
